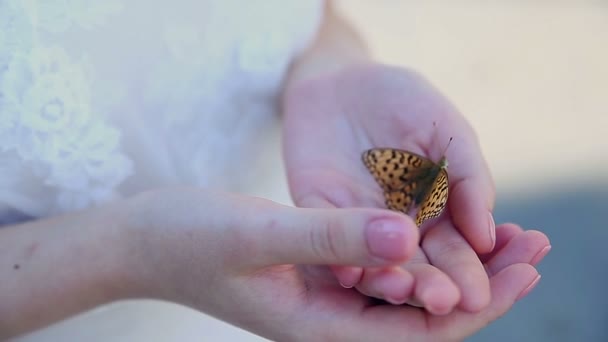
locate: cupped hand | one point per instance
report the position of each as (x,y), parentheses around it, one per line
(330,120)
(244,260)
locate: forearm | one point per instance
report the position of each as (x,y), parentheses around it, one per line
(336,46)
(54,268)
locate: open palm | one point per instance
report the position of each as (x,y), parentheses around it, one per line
(331,120)
(294,303)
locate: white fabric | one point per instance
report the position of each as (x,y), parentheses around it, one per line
(102,99)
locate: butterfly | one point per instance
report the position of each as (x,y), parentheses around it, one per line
(410,180)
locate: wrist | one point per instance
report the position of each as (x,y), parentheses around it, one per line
(61,266)
(127,267)
(158,232)
(116,247)
(136,271)
(337,46)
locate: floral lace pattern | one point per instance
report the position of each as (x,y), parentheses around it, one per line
(46,117)
(183,92)
(59,15)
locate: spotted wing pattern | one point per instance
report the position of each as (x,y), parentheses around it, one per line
(435,200)
(398,200)
(408,180)
(395,169)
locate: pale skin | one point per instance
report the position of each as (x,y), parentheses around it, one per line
(363,104)
(235,257)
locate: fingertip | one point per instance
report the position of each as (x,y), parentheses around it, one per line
(392,238)
(444,300)
(448,250)
(492,228)
(512,283)
(476,303)
(506,231)
(475,294)
(540,255)
(471,212)
(347,276)
(539,237)
(529,288)
(434,290)
(394,285)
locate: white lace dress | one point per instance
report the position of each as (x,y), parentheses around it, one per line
(103,99)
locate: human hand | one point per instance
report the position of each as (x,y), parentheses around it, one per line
(235,258)
(331,119)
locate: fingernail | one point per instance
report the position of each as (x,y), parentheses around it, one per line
(348,276)
(395,300)
(492,226)
(387,239)
(394,286)
(540,255)
(346,286)
(529,288)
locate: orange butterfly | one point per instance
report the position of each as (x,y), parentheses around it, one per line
(410,180)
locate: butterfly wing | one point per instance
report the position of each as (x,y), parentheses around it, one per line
(401,175)
(435,200)
(398,200)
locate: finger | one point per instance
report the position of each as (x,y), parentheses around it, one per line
(347,237)
(393,284)
(471,212)
(504,234)
(472,195)
(508,286)
(526,247)
(434,290)
(347,276)
(451,253)
(406,323)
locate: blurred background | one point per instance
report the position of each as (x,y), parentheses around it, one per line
(532,77)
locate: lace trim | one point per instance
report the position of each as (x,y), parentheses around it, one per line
(46,118)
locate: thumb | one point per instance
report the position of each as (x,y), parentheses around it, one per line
(354,237)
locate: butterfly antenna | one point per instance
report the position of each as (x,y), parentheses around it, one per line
(448,145)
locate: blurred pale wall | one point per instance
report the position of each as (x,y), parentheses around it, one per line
(531,76)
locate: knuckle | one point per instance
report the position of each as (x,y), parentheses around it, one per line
(327,240)
(450,247)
